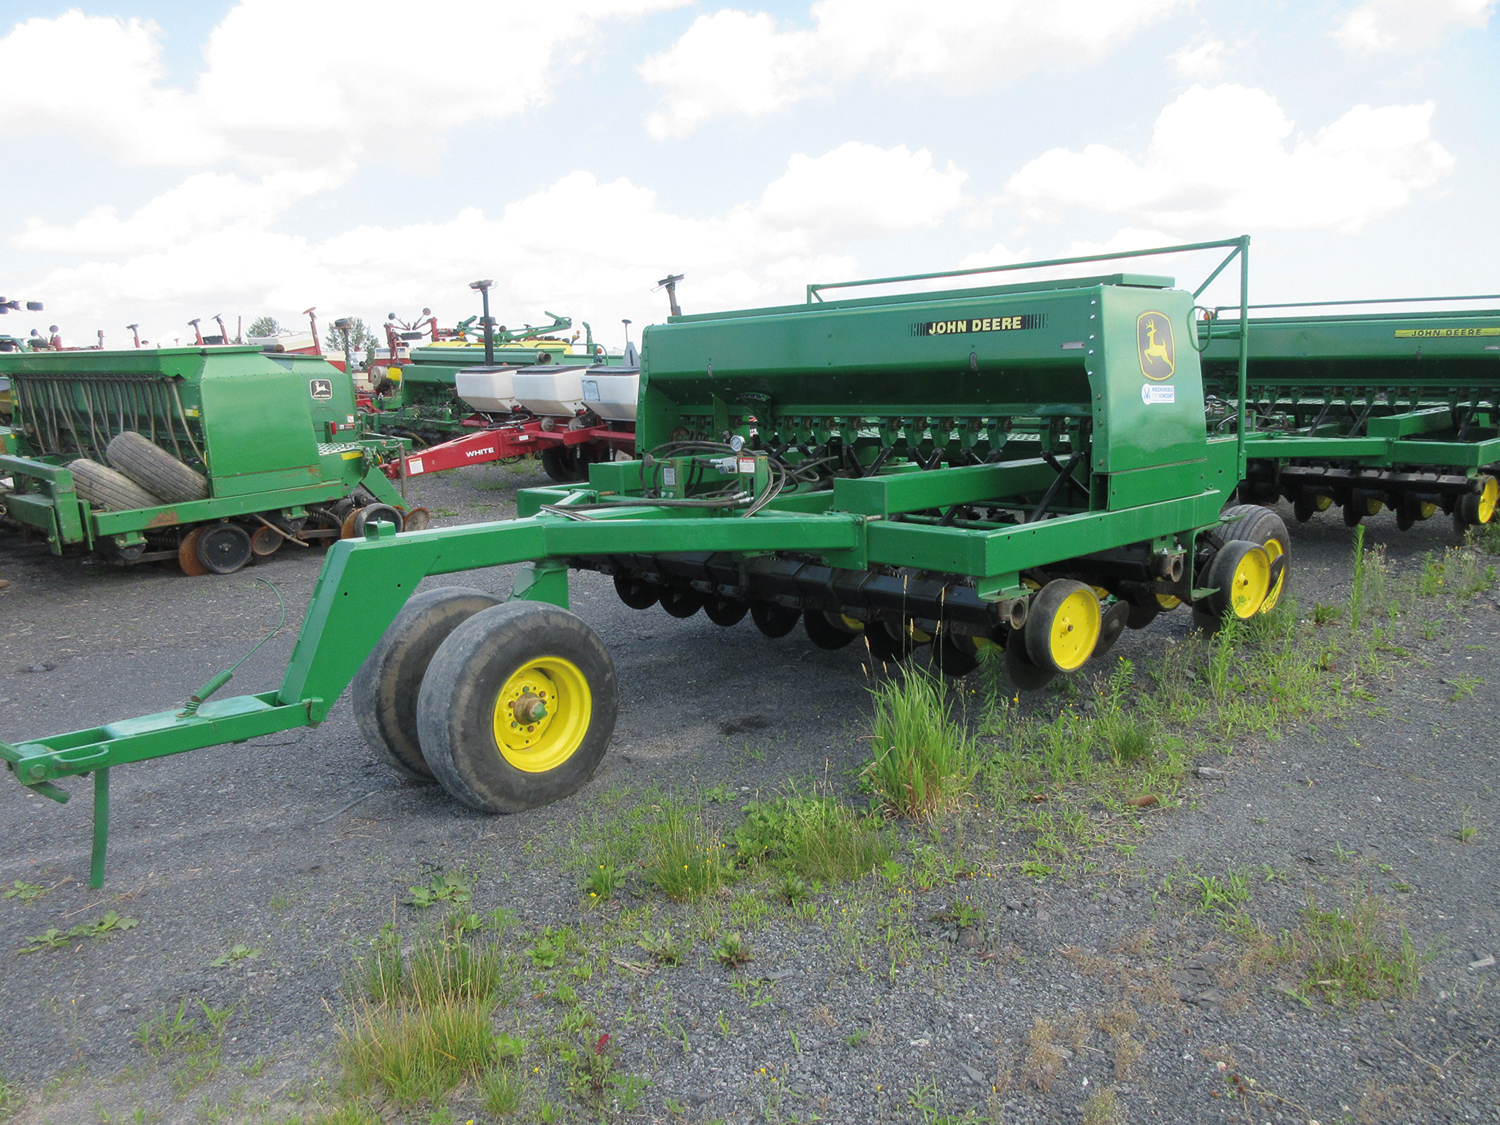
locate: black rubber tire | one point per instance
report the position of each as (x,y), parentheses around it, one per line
(1258,525)
(1112,626)
(456,706)
(563,465)
(774,620)
(635,593)
(371,513)
(1139,616)
(1044,607)
(725,612)
(1304,509)
(384,693)
(1219,573)
(99,484)
(223,548)
(1018,666)
(824,633)
(680,601)
(154,469)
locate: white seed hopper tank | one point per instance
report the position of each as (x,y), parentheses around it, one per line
(566,391)
(491,389)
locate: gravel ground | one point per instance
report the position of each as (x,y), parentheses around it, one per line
(300,846)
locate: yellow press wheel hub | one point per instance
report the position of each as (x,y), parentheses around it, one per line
(542,713)
(1073,632)
(1489,495)
(1250,584)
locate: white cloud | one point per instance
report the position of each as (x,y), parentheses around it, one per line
(293,83)
(734,62)
(203,203)
(761,250)
(862,188)
(1199,62)
(1226,159)
(1411,25)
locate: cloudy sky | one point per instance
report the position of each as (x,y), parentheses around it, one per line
(169,159)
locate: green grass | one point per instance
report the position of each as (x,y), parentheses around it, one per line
(685,857)
(415,1052)
(1353,955)
(923,758)
(810,838)
(501,1090)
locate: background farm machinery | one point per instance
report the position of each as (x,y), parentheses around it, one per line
(1366,410)
(202,456)
(1019,467)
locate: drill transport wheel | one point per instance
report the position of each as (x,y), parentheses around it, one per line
(517,707)
(384,692)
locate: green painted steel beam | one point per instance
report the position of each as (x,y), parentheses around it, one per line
(888,495)
(1284,447)
(151,736)
(1010,549)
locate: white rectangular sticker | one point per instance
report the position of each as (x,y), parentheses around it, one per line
(591,390)
(414,465)
(747,465)
(1158,392)
(669,476)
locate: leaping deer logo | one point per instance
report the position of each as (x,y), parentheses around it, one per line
(1154,342)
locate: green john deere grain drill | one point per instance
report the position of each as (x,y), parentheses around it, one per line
(1020,467)
(208,456)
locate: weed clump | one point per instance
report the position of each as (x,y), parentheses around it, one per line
(923,757)
(685,859)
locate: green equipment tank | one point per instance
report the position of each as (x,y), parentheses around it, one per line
(1022,468)
(1366,410)
(205,455)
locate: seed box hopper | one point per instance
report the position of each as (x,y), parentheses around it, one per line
(1023,466)
(1367,410)
(256,450)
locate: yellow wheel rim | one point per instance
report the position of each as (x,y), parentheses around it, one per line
(1323,503)
(1168,601)
(1251,583)
(1274,549)
(1373,506)
(1074,630)
(1487,499)
(850,624)
(542,713)
(1427,509)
